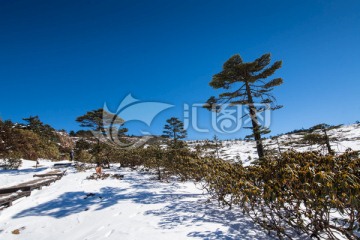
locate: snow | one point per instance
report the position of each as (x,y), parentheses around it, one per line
(137,207)
(347,136)
(24,173)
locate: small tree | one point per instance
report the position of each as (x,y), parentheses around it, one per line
(155,159)
(276,138)
(321,139)
(218,145)
(213,147)
(249,87)
(101,123)
(174,129)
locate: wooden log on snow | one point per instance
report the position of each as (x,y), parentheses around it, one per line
(61,165)
(28,186)
(58,174)
(7,199)
(14,189)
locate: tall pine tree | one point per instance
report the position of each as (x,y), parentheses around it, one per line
(245,83)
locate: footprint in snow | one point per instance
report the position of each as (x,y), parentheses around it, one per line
(117,214)
(109,233)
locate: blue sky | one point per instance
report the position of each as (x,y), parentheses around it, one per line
(59,59)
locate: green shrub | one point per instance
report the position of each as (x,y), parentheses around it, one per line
(12,161)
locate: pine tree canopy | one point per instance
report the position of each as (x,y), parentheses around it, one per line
(98,120)
(92,119)
(236,74)
(246,83)
(45,131)
(174,129)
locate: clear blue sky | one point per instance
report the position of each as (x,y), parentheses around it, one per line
(59,59)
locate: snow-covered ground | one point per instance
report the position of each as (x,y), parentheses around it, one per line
(136,207)
(139,207)
(24,173)
(347,136)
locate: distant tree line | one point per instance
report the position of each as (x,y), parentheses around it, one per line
(30,140)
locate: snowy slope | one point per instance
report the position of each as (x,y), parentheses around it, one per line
(133,208)
(347,136)
(138,207)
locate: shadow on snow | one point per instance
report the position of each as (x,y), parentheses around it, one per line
(181,210)
(23,171)
(75,202)
(198,212)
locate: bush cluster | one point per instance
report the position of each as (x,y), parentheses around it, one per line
(306,193)
(25,141)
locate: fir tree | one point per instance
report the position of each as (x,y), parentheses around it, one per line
(245,84)
(174,129)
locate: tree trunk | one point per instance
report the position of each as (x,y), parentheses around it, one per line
(327,141)
(175,138)
(278,144)
(255,123)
